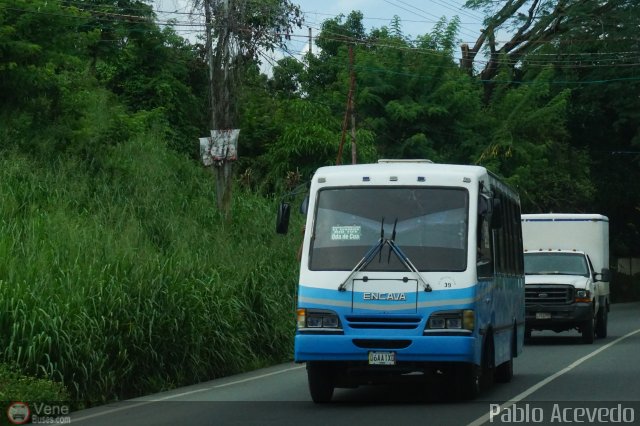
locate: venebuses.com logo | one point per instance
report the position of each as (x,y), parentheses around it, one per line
(18,413)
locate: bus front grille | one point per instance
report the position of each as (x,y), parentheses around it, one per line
(381,344)
(378,322)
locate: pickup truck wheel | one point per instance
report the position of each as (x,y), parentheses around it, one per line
(320,382)
(601,324)
(588,331)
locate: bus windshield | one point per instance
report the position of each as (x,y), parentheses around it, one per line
(431,227)
(555,264)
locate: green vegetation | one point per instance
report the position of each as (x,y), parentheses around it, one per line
(127,281)
(119,277)
(18,387)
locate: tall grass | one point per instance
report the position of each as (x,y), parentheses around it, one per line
(125,280)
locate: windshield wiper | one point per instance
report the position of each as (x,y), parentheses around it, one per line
(367,258)
(405,259)
(377,249)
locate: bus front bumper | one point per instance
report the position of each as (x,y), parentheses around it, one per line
(428,348)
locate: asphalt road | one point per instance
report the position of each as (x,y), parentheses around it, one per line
(558,380)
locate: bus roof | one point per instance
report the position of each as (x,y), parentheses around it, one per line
(402,168)
(564,217)
(407,172)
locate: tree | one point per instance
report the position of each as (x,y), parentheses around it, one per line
(590,46)
(41,42)
(286,79)
(409,93)
(528,144)
(236,31)
(531,24)
(116,23)
(159,71)
(288,133)
(42,63)
(597,61)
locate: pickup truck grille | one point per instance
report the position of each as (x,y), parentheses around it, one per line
(547,294)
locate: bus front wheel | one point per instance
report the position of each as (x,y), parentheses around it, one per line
(467,381)
(320,380)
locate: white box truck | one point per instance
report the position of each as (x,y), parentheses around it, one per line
(566,262)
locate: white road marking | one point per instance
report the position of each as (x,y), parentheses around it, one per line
(481,420)
(166,398)
(261,376)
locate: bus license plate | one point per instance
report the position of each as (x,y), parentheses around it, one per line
(543,315)
(382,358)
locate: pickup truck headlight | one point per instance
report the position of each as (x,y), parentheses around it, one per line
(583,296)
(318,319)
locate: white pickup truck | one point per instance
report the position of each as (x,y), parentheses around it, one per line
(566,262)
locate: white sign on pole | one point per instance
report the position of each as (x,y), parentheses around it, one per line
(220,147)
(205,151)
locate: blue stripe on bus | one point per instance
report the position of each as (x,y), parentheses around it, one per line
(328,298)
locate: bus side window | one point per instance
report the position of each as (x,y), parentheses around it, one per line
(484,260)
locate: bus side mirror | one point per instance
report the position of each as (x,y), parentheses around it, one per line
(282,221)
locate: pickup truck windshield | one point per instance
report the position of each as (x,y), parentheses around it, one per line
(431,228)
(555,264)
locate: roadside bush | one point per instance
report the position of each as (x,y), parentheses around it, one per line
(125,280)
(15,386)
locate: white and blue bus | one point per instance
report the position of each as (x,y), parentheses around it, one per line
(409,269)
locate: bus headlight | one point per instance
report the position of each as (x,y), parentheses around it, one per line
(317,319)
(454,323)
(437,322)
(452,320)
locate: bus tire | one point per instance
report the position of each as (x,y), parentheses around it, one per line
(504,371)
(467,381)
(601,322)
(320,382)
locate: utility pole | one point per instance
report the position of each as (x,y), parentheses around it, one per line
(349,113)
(209,40)
(220,150)
(352,112)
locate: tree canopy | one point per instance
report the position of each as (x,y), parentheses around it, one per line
(550,109)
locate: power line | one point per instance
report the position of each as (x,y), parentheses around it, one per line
(177,23)
(577,60)
(413,12)
(496,81)
(446,6)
